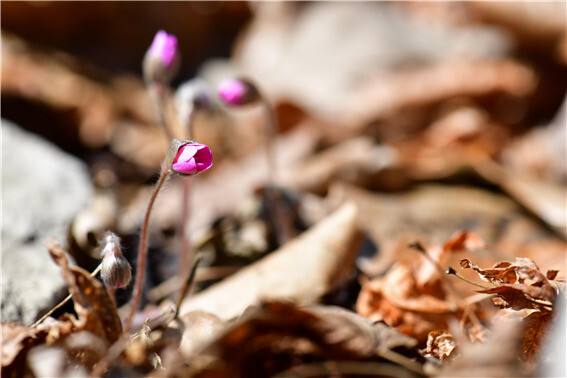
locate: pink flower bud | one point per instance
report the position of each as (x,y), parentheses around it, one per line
(116,271)
(238,92)
(161,61)
(164,46)
(189,158)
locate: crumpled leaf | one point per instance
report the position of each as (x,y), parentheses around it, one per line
(398,300)
(412,296)
(521,284)
(17,340)
(502,272)
(441,345)
(96,311)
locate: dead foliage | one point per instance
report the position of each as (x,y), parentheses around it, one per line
(396,159)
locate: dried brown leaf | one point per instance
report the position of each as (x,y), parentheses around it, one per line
(535,328)
(397,300)
(464,240)
(441,345)
(303,270)
(501,272)
(279,335)
(519,297)
(521,284)
(18,338)
(96,311)
(551,274)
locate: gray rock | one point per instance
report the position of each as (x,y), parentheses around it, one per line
(42,190)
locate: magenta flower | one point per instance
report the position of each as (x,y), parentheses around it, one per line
(237,92)
(164,46)
(192,158)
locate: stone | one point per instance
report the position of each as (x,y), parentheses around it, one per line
(43,188)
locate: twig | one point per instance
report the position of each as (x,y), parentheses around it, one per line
(187,283)
(60,304)
(452,271)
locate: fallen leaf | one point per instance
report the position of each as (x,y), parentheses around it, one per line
(441,345)
(96,311)
(397,300)
(17,340)
(303,270)
(521,285)
(275,336)
(535,329)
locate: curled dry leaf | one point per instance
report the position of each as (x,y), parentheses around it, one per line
(398,300)
(521,285)
(96,311)
(412,296)
(440,345)
(17,340)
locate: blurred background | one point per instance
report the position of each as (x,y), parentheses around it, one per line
(382,96)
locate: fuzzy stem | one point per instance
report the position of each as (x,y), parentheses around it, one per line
(157,92)
(67,298)
(270,131)
(143,249)
(184,244)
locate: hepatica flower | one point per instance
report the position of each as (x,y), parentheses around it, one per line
(190,158)
(161,61)
(185,158)
(164,47)
(238,92)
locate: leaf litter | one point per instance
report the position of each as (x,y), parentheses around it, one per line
(428,166)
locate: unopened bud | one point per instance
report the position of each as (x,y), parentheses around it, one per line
(116,271)
(161,61)
(238,92)
(188,158)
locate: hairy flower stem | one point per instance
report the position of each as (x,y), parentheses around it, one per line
(157,94)
(270,131)
(184,244)
(143,248)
